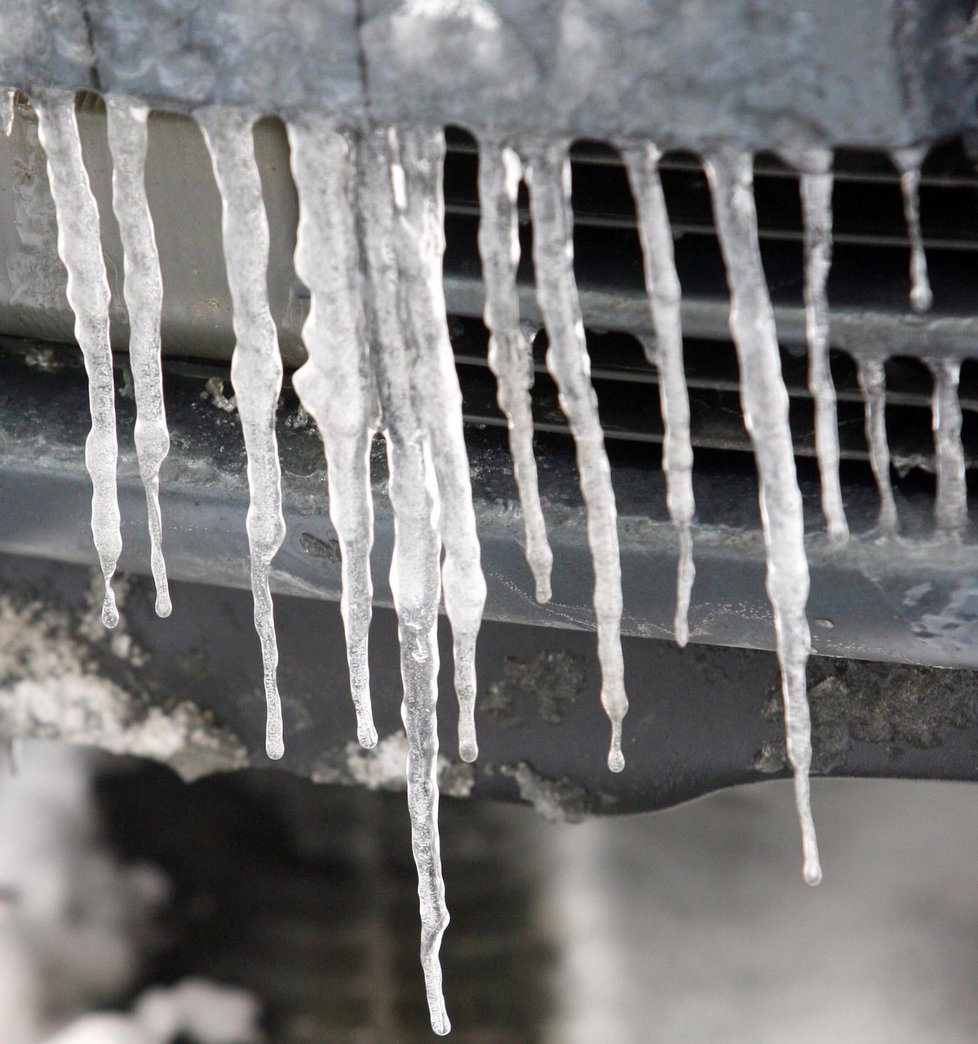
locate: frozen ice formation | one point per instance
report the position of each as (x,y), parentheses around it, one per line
(765,405)
(510,350)
(256,369)
(548,173)
(816,207)
(143,289)
(665,299)
(80,249)
(370,246)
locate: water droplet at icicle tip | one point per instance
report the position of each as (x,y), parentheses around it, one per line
(548,175)
(80,249)
(664,295)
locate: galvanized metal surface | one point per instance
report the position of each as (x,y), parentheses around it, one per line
(700,719)
(889,72)
(912,602)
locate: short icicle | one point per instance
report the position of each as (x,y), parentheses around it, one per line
(417,162)
(80,249)
(951,509)
(415,577)
(8,98)
(816,206)
(872,380)
(764,400)
(665,300)
(336,384)
(549,179)
(908,162)
(256,369)
(510,350)
(143,289)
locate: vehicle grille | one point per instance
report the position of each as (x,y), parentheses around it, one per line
(869,276)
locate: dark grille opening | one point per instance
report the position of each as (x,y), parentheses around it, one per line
(869,275)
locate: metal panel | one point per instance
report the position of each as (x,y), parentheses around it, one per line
(887,72)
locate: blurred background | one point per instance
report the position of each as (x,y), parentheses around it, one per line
(258,906)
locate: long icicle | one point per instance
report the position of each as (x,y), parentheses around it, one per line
(872,381)
(665,299)
(510,351)
(80,249)
(336,384)
(908,162)
(417,158)
(143,290)
(256,369)
(765,404)
(951,509)
(549,179)
(415,577)
(816,207)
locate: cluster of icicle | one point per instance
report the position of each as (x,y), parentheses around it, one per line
(370,247)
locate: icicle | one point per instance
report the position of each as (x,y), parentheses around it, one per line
(510,350)
(908,162)
(765,405)
(143,289)
(549,179)
(336,384)
(417,161)
(872,381)
(8,97)
(665,299)
(256,368)
(816,205)
(415,578)
(951,510)
(80,249)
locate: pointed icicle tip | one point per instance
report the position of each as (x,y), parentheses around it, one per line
(110,611)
